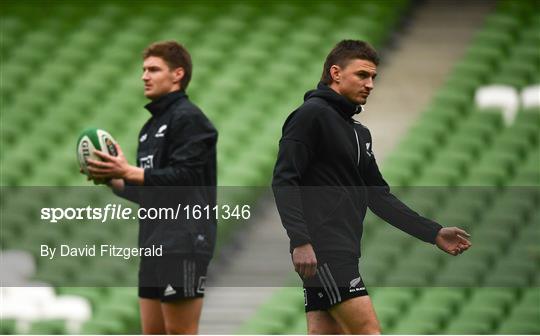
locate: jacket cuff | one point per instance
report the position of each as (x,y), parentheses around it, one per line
(434,232)
(299,241)
(147,177)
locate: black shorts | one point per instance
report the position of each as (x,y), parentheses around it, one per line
(337,280)
(173,277)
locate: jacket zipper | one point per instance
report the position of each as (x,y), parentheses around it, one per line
(357,147)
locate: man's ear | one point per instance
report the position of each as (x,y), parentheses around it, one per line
(335,73)
(178,74)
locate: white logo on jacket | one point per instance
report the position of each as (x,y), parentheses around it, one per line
(161,131)
(146,162)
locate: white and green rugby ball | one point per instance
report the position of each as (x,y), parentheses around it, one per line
(93,139)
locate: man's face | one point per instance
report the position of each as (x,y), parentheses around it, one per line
(355,80)
(158,78)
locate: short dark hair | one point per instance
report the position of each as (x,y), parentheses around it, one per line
(175,55)
(345,51)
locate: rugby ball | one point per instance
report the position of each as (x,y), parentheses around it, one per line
(93,139)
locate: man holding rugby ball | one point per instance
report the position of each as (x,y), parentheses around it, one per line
(177,148)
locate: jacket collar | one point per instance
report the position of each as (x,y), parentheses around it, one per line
(161,104)
(345,108)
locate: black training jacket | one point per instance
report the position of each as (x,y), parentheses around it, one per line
(326,176)
(177,149)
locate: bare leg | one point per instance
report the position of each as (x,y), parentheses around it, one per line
(320,322)
(151,317)
(182,316)
(356,316)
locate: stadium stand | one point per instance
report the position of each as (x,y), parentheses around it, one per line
(79,67)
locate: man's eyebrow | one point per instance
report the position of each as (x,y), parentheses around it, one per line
(365,72)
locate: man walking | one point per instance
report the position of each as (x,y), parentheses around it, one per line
(325,177)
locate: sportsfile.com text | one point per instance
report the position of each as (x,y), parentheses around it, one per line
(120,212)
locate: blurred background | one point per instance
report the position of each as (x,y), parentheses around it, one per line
(455,117)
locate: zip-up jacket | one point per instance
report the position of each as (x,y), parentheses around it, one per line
(326,176)
(177,149)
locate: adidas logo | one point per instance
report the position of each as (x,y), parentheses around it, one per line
(169,291)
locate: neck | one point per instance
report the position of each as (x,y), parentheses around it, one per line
(334,87)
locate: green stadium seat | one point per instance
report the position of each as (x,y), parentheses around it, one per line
(504,22)
(526,311)
(527,53)
(102,326)
(48,327)
(425,206)
(465,84)
(493,37)
(518,10)
(480,129)
(448,278)
(466,202)
(501,278)
(486,234)
(406,159)
(477,70)
(452,99)
(407,279)
(416,325)
(26,54)
(464,143)
(510,143)
(498,297)
(526,125)
(446,296)
(522,266)
(420,267)
(398,297)
(485,177)
(43,40)
(450,176)
(8,326)
(484,53)
(511,78)
(426,252)
(531,296)
(299,327)
(429,310)
(372,270)
(474,267)
(386,313)
(467,326)
(518,326)
(290,295)
(127,315)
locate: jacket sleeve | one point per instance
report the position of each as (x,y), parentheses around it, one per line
(130,192)
(388,207)
(296,149)
(191,143)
